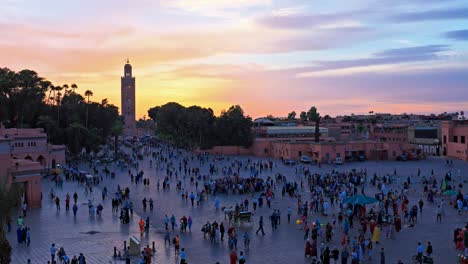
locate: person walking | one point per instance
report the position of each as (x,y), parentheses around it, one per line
(344,256)
(382,256)
(420,252)
(81,259)
(24,207)
(141,224)
(189,223)
(429,249)
(176,242)
(260,226)
(192,198)
(183,256)
(52,250)
(246,240)
(241,258)
(173,222)
(233,257)
(75,209)
(151,204)
(67,202)
(289,214)
(57,202)
(222,230)
(28,236)
(166,222)
(439,214)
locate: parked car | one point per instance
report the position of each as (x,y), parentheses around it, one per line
(402,157)
(361,158)
(306,159)
(339,161)
(289,162)
(412,156)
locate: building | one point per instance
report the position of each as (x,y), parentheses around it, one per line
(426,138)
(31,144)
(127,90)
(392,133)
(24,156)
(454,139)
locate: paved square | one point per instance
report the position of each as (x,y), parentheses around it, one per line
(96,237)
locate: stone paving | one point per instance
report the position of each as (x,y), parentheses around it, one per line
(286,245)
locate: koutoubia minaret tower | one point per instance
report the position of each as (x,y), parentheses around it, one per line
(128,100)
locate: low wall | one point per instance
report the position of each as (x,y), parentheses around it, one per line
(457,151)
(228,150)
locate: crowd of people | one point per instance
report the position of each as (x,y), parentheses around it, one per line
(332,229)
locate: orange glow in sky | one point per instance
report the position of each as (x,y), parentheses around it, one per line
(270,57)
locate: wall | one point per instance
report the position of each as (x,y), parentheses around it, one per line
(449,129)
(457,150)
(228,150)
(4,158)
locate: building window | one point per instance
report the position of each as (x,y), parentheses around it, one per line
(462,139)
(455,139)
(445,139)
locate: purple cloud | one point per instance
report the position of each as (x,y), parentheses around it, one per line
(324,39)
(300,20)
(391,56)
(435,14)
(457,34)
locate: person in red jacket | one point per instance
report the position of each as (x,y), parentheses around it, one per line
(233,257)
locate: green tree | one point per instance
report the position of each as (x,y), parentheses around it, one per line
(234,128)
(9,200)
(292,115)
(24,103)
(303,116)
(153,112)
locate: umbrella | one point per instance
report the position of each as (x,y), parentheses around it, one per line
(360,199)
(450,193)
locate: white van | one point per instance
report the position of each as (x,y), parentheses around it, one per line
(338,161)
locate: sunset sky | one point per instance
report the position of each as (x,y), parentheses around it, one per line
(269,56)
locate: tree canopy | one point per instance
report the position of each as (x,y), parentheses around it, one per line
(196,126)
(29,101)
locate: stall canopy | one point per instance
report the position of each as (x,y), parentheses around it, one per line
(450,193)
(360,199)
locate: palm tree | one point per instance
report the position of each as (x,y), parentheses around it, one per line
(314,116)
(58,97)
(88,93)
(74,87)
(66,87)
(116,131)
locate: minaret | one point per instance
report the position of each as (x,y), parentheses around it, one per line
(128,100)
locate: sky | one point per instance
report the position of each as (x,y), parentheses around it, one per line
(269,56)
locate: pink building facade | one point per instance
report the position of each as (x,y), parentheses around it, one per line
(24,156)
(31,144)
(455,139)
